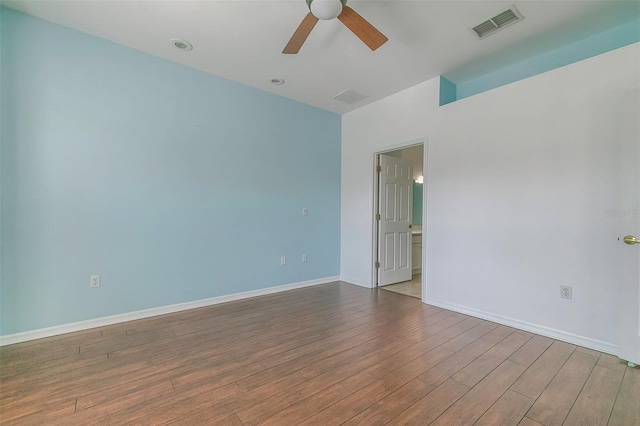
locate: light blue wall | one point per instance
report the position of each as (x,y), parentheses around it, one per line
(597,44)
(448,91)
(172,184)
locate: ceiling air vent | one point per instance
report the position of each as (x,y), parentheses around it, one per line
(349,96)
(500,21)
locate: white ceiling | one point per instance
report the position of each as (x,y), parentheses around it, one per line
(242,40)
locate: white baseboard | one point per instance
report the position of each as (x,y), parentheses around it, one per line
(586,342)
(355,282)
(10,339)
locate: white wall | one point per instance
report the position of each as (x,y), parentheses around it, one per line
(404,118)
(519,179)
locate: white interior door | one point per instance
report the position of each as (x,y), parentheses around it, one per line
(394,228)
(628,218)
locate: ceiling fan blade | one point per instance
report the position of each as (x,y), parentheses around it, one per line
(362,28)
(301,34)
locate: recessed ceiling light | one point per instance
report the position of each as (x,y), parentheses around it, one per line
(181,44)
(277,81)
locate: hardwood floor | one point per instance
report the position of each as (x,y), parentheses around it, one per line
(325,355)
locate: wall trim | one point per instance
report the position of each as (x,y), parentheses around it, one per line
(10,339)
(553,333)
(355,282)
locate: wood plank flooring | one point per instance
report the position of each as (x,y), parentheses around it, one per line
(326,355)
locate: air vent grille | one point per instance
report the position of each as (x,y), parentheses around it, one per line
(485,28)
(500,21)
(505,18)
(349,96)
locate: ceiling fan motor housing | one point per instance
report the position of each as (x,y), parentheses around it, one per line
(331,9)
(326,9)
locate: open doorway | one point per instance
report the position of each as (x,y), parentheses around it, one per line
(398,204)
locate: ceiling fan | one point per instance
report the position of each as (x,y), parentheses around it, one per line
(331,9)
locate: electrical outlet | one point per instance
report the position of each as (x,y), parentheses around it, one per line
(283,260)
(94,281)
(304,211)
(304,257)
(566,292)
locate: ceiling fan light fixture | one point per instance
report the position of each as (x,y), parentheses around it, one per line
(325,9)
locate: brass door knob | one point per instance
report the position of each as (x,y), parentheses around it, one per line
(631,240)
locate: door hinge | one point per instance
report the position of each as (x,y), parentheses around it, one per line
(377,265)
(378,216)
(379,169)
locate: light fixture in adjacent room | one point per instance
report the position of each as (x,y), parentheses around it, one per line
(277,81)
(420,179)
(181,44)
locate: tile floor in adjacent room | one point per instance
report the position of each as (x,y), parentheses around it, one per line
(411,288)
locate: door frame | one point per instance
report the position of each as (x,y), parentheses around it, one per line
(399,171)
(374,206)
(629,291)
